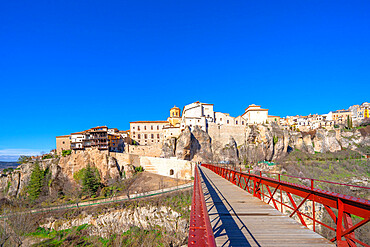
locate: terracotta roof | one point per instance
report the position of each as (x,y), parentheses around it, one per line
(273,116)
(260,109)
(99,127)
(63,136)
(149,122)
(252,105)
(77,133)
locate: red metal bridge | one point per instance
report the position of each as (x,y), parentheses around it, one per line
(234,208)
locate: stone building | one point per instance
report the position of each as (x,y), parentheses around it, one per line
(63,143)
(147,132)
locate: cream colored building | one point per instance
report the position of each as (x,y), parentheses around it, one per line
(147,132)
(254,114)
(63,143)
(341,116)
(275,119)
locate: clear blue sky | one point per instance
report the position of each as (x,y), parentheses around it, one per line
(66,66)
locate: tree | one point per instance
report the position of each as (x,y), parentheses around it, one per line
(349,122)
(36,182)
(90,181)
(23,159)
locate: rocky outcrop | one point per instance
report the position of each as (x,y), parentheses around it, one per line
(225,152)
(201,145)
(262,142)
(168,148)
(118,221)
(106,164)
(326,141)
(61,170)
(183,145)
(194,145)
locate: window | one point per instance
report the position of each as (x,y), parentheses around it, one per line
(220,119)
(152,136)
(158,136)
(171,172)
(144,127)
(157,127)
(242,122)
(151,127)
(138,127)
(145,136)
(227,121)
(133,127)
(63,142)
(138,136)
(236,122)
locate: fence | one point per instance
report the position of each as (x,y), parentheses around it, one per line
(268,189)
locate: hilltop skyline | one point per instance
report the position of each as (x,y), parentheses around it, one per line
(73,65)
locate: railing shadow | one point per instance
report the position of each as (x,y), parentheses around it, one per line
(225,221)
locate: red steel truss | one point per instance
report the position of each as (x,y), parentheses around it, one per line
(268,189)
(200,232)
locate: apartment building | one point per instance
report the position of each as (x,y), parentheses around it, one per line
(77,140)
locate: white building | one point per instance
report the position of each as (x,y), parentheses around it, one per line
(254,114)
(197,114)
(77,140)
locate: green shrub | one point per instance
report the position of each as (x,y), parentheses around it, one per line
(276,139)
(139,169)
(66,152)
(48,156)
(36,182)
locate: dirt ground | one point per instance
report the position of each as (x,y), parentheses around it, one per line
(146,181)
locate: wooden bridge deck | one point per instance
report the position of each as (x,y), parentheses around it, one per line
(239,219)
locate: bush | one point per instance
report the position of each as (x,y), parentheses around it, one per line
(139,169)
(23,159)
(276,139)
(66,152)
(48,156)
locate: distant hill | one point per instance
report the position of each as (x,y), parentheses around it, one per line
(4,164)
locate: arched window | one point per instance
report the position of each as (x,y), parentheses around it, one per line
(171,172)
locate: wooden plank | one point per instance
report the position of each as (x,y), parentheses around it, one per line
(239,219)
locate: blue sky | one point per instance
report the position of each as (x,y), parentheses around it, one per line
(66,66)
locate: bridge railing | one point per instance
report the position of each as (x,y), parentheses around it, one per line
(339,207)
(200,230)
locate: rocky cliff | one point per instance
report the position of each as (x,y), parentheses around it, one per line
(262,142)
(61,170)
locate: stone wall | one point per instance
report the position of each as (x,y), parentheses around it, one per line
(172,167)
(145,150)
(222,133)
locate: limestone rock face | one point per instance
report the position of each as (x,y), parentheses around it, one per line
(226,153)
(183,145)
(168,148)
(118,221)
(106,165)
(326,141)
(308,144)
(201,149)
